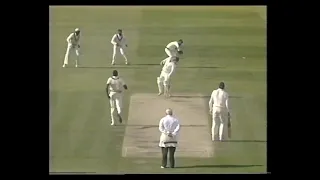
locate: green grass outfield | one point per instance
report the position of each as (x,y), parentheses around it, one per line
(216,40)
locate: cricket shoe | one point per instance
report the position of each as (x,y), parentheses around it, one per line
(120,118)
(160,93)
(77,65)
(113,63)
(127,63)
(64,65)
(162,167)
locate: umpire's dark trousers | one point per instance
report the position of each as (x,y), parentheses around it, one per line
(165,152)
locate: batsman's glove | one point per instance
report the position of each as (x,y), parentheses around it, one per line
(180,52)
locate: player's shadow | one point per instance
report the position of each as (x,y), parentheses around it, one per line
(242,141)
(221,166)
(200,67)
(111,67)
(157,126)
(201,96)
(147,64)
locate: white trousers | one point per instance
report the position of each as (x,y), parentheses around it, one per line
(170,53)
(115,104)
(122,52)
(69,49)
(164,78)
(219,124)
(164,83)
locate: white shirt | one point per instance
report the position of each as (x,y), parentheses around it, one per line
(219,98)
(169,68)
(169,124)
(73,39)
(174,46)
(115,84)
(117,39)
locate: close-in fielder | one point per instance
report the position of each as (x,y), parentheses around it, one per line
(163,80)
(219,108)
(73,44)
(114,89)
(119,43)
(174,49)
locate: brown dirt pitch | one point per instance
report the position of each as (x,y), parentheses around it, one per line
(142,134)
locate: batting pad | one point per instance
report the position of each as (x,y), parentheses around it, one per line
(142,130)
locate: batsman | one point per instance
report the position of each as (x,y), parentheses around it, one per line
(167,71)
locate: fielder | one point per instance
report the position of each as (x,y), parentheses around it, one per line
(73,44)
(219,108)
(119,43)
(115,84)
(173,49)
(163,80)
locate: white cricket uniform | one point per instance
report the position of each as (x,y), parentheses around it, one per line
(73,43)
(122,44)
(163,62)
(169,124)
(219,106)
(167,71)
(172,49)
(115,92)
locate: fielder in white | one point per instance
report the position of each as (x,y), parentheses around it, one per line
(73,44)
(219,108)
(115,85)
(174,48)
(167,71)
(119,43)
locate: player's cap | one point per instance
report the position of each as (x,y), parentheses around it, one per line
(77,29)
(119,30)
(221,85)
(180,40)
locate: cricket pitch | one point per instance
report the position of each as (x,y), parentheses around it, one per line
(142,130)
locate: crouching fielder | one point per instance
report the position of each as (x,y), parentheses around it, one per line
(119,43)
(174,48)
(115,84)
(73,44)
(163,80)
(219,108)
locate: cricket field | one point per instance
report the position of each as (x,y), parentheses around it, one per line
(222,43)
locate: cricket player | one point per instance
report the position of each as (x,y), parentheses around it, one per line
(219,108)
(119,43)
(167,71)
(115,86)
(169,127)
(73,44)
(174,48)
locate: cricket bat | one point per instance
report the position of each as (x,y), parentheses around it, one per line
(229,127)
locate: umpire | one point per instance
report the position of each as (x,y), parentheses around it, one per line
(169,127)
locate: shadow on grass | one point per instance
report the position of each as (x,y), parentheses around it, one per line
(157,126)
(112,67)
(142,66)
(200,96)
(241,141)
(220,166)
